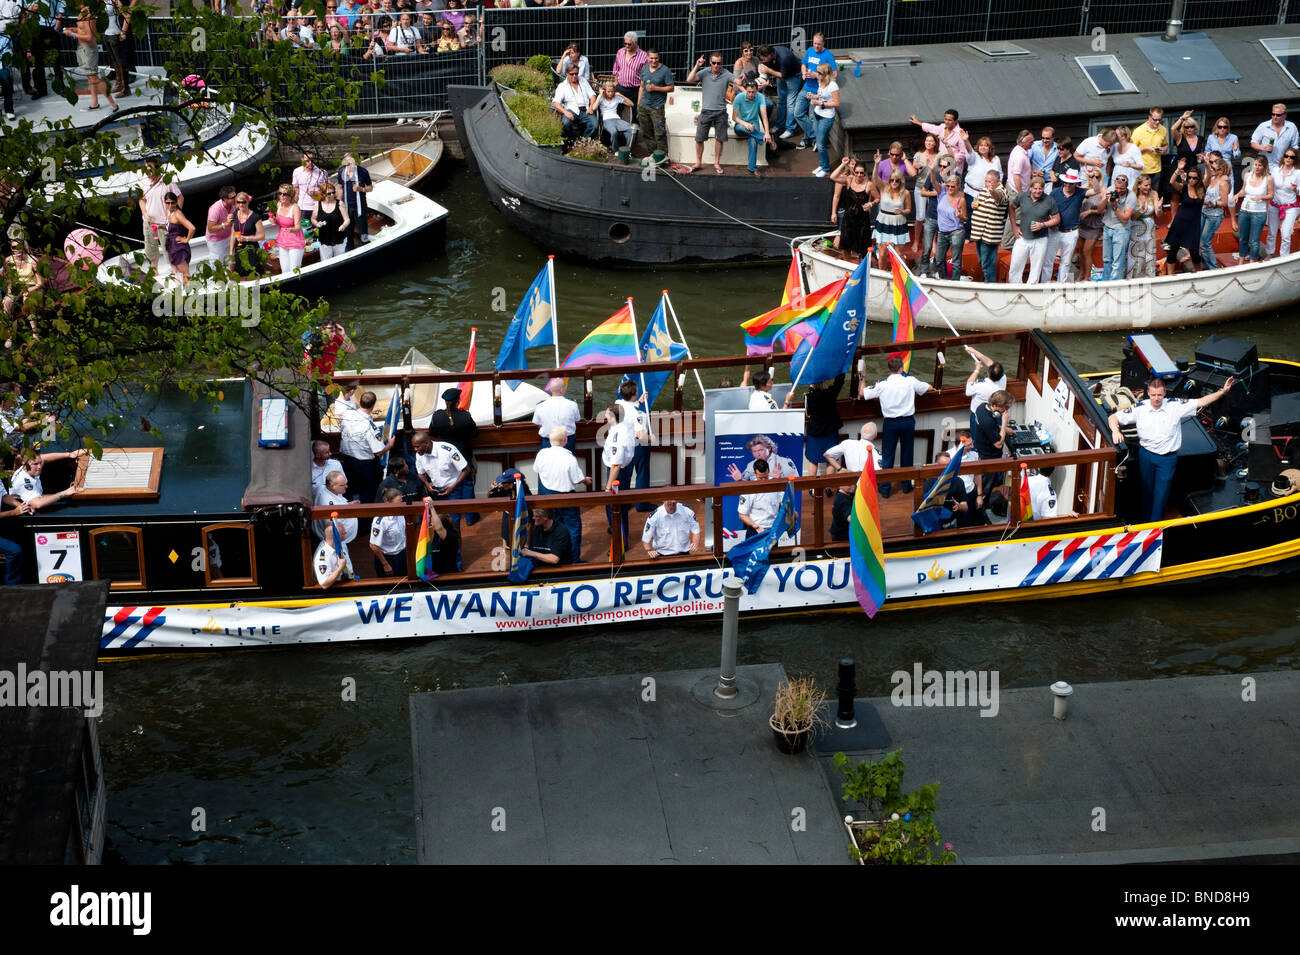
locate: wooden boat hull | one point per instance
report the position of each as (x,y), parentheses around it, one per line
(1172,301)
(1260,538)
(622,215)
(412,214)
(408,165)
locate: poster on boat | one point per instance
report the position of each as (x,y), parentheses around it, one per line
(58,556)
(740,440)
(1089,562)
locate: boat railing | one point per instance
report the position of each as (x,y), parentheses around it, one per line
(491,552)
(681,370)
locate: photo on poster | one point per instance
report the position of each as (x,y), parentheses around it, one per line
(741,438)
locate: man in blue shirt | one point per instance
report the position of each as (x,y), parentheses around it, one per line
(1043,155)
(1069,200)
(749,114)
(803,110)
(784,75)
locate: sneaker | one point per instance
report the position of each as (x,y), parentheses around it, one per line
(801,144)
(787,134)
(10,116)
(820,173)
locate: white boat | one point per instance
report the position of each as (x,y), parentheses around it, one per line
(1172,301)
(516,404)
(397,215)
(409,164)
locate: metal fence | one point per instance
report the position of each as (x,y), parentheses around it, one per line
(684,30)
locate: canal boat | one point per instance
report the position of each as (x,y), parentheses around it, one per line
(202,523)
(1167,301)
(633,215)
(403,225)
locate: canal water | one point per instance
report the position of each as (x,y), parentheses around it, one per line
(259,758)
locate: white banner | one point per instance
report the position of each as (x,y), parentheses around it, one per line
(662,596)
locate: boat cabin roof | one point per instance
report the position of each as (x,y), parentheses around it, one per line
(1041,80)
(205,460)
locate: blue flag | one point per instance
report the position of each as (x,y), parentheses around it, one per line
(831,353)
(340,551)
(931,515)
(392,421)
(656,345)
(750,557)
(520,566)
(531,326)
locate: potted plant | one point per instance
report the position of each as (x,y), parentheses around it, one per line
(897,828)
(796,713)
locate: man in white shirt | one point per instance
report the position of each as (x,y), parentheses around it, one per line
(440,467)
(11,507)
(333,494)
(897,395)
(360,449)
(1160,434)
(1096,151)
(637,425)
(26,481)
(329,569)
(558,472)
(557,411)
(321,464)
(671,529)
(757,511)
(575,101)
(153,210)
(1042,496)
(388,539)
(851,455)
(761,398)
(616,456)
(979,389)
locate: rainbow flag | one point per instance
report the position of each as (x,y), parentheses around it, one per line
(908,300)
(467,387)
(810,310)
(866,549)
(423,555)
(1026,499)
(612,342)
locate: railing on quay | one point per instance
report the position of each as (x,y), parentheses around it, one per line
(683,31)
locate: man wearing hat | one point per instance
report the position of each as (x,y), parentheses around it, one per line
(457,428)
(1069,200)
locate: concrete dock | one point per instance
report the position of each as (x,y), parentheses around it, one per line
(1176,770)
(591,771)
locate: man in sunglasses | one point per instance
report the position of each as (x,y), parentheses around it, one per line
(575,101)
(1273,137)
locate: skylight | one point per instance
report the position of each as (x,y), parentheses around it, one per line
(1105,74)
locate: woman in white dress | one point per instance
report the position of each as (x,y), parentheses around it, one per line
(1126,156)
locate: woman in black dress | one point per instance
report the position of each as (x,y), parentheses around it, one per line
(1185,231)
(330,217)
(246,238)
(851,206)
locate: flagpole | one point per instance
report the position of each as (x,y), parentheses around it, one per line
(682,335)
(637,337)
(929,299)
(795,384)
(473,335)
(555,334)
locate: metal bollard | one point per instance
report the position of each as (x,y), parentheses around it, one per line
(845,718)
(726,688)
(1061,691)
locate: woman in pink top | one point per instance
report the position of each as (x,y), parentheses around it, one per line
(289,241)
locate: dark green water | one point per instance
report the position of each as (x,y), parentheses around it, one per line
(287,772)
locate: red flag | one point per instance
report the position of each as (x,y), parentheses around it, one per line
(1026,499)
(467,387)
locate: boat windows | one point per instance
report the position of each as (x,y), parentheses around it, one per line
(116,554)
(1286,51)
(620,232)
(229,557)
(1105,74)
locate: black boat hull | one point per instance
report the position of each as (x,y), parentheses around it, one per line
(623,215)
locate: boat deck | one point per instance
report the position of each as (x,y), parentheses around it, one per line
(52,108)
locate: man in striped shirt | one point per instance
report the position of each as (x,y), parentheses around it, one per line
(627,69)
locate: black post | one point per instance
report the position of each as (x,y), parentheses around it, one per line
(847,691)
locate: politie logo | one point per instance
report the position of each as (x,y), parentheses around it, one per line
(937,573)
